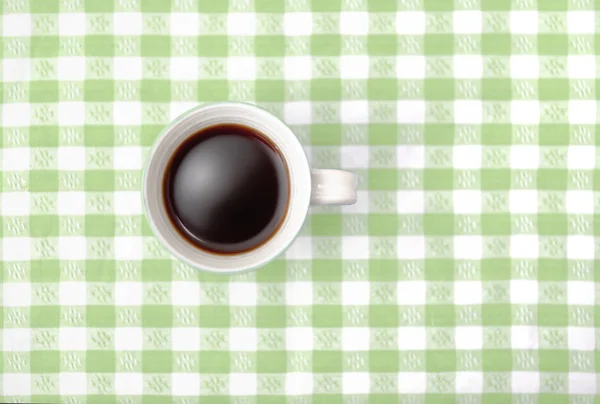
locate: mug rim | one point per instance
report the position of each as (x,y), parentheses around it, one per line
(281,135)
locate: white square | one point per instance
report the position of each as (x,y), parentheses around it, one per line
(469,382)
(297,113)
(185,338)
(356,338)
(16,339)
(410,112)
(354,67)
(410,22)
(524,337)
(71,114)
(16,294)
(525,112)
(73,383)
(185,68)
(127,113)
(71,24)
(524,67)
(355,247)
(15,70)
(127,23)
(72,338)
(129,383)
(129,293)
(298,339)
(72,293)
(128,248)
(468,247)
(582,383)
(410,202)
(128,339)
(242,294)
(184,24)
(127,68)
(17,24)
(466,201)
(582,112)
(467,22)
(71,203)
(357,293)
(524,157)
(300,249)
(16,384)
(411,293)
(467,111)
(466,156)
(581,293)
(72,248)
(241,68)
(524,246)
(354,23)
(525,382)
(71,68)
(582,66)
(185,293)
(523,201)
(127,158)
(410,67)
(71,158)
(297,384)
(468,337)
(581,22)
(468,66)
(297,24)
(16,115)
(16,248)
(468,292)
(128,203)
(242,384)
(524,291)
(178,108)
(242,24)
(298,294)
(354,157)
(185,384)
(410,247)
(411,338)
(581,157)
(580,202)
(354,111)
(297,68)
(361,205)
(355,383)
(580,248)
(243,339)
(408,156)
(15,203)
(523,22)
(412,382)
(581,338)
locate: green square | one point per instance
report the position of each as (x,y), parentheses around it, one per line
(325,134)
(99,91)
(495,179)
(44,6)
(156,45)
(327,361)
(384,361)
(497,360)
(496,314)
(437,5)
(271,316)
(204,6)
(44,46)
(156,6)
(100,361)
(318,6)
(213,45)
(325,44)
(156,270)
(554,134)
(100,316)
(274,271)
(157,361)
(269,45)
(98,6)
(439,134)
(553,89)
(100,225)
(271,362)
(45,316)
(439,269)
(269,6)
(382,45)
(439,44)
(383,134)
(213,316)
(327,316)
(149,133)
(553,44)
(383,224)
(157,316)
(325,90)
(496,89)
(553,315)
(555,360)
(43,181)
(552,179)
(440,315)
(326,224)
(269,90)
(553,5)
(381,6)
(553,224)
(382,89)
(43,91)
(43,136)
(99,135)
(100,270)
(554,270)
(329,398)
(496,5)
(213,90)
(440,224)
(214,361)
(327,270)
(45,270)
(99,180)
(440,361)
(496,44)
(45,361)
(494,224)
(43,226)
(438,179)
(384,315)
(155,90)
(99,45)
(496,134)
(383,179)
(439,89)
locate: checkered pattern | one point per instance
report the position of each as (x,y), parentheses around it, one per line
(464,273)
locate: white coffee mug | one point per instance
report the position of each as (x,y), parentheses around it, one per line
(307,186)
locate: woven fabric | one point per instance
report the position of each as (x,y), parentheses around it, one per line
(464,273)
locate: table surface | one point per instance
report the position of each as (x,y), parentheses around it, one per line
(465,269)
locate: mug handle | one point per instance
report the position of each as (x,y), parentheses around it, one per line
(333,187)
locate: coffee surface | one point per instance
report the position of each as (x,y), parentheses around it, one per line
(226,189)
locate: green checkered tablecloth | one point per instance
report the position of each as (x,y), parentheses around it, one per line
(465,272)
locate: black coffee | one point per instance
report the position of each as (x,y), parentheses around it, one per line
(226,189)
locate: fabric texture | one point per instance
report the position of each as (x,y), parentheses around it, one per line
(464,273)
